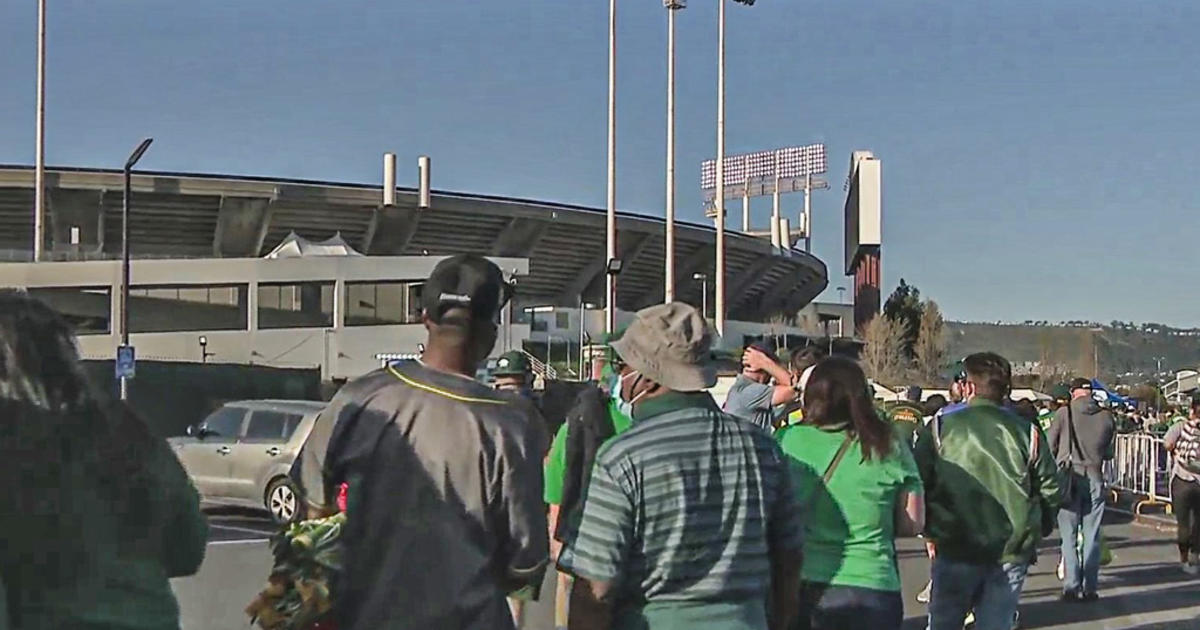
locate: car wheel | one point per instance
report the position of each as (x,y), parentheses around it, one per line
(283,502)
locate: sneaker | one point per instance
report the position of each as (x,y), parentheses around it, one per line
(923,596)
(1090,597)
(1069,597)
(1190,568)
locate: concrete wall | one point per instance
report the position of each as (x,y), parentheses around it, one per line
(339,351)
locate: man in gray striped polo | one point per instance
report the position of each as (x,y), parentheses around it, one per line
(689,520)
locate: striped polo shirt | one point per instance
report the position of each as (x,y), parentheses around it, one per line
(682,513)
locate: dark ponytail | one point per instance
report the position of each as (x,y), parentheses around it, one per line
(837,393)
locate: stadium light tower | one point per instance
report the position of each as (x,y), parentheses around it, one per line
(39,162)
(672,6)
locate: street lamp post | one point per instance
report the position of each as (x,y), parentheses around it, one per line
(610,280)
(39,162)
(129,164)
(703,278)
(720,192)
(672,7)
(583,306)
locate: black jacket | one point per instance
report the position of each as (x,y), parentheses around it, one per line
(588,426)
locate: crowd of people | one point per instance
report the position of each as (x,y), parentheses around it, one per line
(657,507)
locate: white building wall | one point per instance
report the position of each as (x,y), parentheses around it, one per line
(339,351)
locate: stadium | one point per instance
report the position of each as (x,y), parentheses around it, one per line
(178,215)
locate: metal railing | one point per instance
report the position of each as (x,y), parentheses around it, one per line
(1141,466)
(547,372)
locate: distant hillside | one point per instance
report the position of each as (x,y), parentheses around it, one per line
(1124,351)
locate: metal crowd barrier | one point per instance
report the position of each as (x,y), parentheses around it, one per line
(1141,466)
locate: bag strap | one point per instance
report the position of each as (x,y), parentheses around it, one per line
(837,458)
(1071,432)
(829,470)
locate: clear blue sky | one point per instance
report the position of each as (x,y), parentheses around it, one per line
(1038,156)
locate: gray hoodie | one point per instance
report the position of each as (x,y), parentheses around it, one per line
(1094,430)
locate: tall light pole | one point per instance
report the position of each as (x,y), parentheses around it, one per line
(719,299)
(672,7)
(610,279)
(39,160)
(129,164)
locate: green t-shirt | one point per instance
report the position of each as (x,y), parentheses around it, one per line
(556,461)
(850,525)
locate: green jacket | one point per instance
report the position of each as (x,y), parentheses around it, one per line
(986,502)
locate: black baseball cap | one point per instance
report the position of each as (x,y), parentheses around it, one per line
(467,281)
(1080,383)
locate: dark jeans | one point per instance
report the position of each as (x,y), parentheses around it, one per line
(825,607)
(1185,499)
(993,591)
(1081,568)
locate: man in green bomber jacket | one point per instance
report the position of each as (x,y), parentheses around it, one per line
(992,492)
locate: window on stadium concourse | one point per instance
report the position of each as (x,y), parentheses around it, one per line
(179,308)
(87,309)
(383,303)
(295,305)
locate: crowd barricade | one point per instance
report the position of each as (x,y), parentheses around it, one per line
(1141,466)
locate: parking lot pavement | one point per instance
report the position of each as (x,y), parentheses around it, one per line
(235,568)
(1142,589)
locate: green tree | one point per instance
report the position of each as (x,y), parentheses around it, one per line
(904,307)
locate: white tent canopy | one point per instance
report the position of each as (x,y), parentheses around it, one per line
(296,246)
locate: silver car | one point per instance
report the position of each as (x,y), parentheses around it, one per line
(241,454)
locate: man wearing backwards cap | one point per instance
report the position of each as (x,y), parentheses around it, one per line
(1082,436)
(445,514)
(689,519)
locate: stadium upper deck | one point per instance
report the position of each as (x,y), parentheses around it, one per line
(178,215)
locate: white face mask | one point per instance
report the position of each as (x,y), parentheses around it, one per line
(624,406)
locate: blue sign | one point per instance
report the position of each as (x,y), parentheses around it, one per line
(126,363)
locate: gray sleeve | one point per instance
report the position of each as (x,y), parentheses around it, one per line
(1055,434)
(1172,436)
(756,396)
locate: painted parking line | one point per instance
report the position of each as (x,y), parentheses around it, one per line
(243,530)
(244,541)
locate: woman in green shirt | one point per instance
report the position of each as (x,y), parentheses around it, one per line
(860,488)
(98,512)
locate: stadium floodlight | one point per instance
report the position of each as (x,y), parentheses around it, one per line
(764,167)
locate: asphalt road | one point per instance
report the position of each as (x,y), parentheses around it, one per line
(1142,590)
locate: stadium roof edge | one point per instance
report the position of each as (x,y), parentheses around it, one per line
(267,179)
